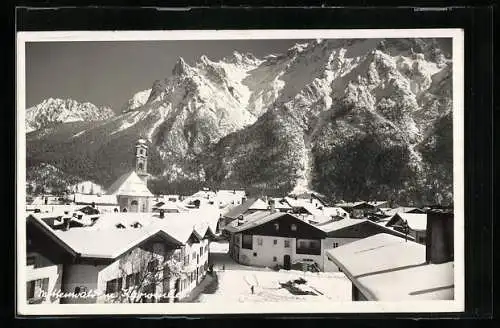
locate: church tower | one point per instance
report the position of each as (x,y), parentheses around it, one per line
(141,159)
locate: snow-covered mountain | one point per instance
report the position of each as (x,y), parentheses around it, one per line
(348,118)
(54,111)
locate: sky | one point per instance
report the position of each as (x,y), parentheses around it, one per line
(109,73)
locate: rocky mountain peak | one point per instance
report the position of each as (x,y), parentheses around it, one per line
(313,117)
(180,67)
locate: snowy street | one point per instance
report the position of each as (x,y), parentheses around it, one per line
(234,283)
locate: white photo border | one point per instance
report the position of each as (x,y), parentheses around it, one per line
(438,306)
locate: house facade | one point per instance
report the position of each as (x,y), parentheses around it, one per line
(277,239)
(103,266)
(415,223)
(282,239)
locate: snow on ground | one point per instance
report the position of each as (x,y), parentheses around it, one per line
(234,286)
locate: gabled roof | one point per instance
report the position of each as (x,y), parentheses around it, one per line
(259,220)
(130,184)
(332,226)
(401,209)
(259,204)
(109,244)
(353,204)
(334,211)
(235,212)
(281,204)
(416,221)
(38,222)
(388,268)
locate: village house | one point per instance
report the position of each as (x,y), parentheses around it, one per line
(387,268)
(249,206)
(226,198)
(131,188)
(414,223)
(166,256)
(103,203)
(359,210)
(270,239)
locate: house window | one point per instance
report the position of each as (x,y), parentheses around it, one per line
(35,290)
(276,226)
(30,260)
(255,254)
(153,265)
(113,286)
(132,280)
(287,243)
(293,227)
(335,245)
(120,226)
(275,242)
(309,246)
(259,241)
(275,259)
(247,242)
(186,260)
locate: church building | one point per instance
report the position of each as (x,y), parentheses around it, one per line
(131,188)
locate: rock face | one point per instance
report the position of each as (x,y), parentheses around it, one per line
(52,111)
(352,119)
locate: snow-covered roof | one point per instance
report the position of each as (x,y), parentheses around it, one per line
(281,204)
(53,209)
(332,226)
(388,268)
(170,206)
(236,211)
(130,184)
(109,244)
(259,204)
(352,204)
(105,240)
(340,224)
(97,199)
(257,219)
(334,211)
(416,221)
(393,211)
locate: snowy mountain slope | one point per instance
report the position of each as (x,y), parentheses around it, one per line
(54,111)
(348,118)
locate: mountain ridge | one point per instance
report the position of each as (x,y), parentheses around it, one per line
(287,122)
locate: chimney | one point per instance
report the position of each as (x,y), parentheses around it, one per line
(439,238)
(243,199)
(272,205)
(66,222)
(162,213)
(240,220)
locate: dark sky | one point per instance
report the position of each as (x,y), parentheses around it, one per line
(109,73)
